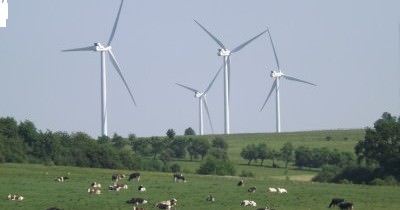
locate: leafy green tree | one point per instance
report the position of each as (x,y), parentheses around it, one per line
(249,153)
(219,142)
(157,146)
(8,127)
(217,166)
(381,145)
(142,146)
(287,153)
(171,133)
(190,132)
(118,141)
(262,152)
(28,132)
(178,146)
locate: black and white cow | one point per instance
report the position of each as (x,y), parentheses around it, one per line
(61,178)
(163,206)
(134,176)
(248,203)
(141,188)
(240,183)
(335,202)
(117,177)
(345,205)
(210,198)
(15,197)
(252,189)
(168,204)
(179,177)
(136,201)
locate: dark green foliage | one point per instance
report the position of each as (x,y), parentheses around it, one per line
(317,157)
(217,167)
(171,133)
(189,132)
(178,146)
(287,153)
(249,153)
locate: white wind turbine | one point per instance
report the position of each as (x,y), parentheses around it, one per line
(277,75)
(98,47)
(225,53)
(202,102)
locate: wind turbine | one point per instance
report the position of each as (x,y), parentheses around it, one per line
(225,53)
(202,102)
(98,47)
(275,86)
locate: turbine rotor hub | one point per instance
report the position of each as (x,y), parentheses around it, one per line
(276,74)
(223,52)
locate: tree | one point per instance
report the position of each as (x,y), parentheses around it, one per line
(287,153)
(171,133)
(157,146)
(178,146)
(190,132)
(8,127)
(381,146)
(262,152)
(219,142)
(249,153)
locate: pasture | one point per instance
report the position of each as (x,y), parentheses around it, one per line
(36,183)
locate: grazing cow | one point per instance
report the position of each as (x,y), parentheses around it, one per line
(248,203)
(240,183)
(141,188)
(134,176)
(345,206)
(61,178)
(210,198)
(282,190)
(163,206)
(335,202)
(179,177)
(95,191)
(15,197)
(136,201)
(252,189)
(95,185)
(271,189)
(117,177)
(117,187)
(266,208)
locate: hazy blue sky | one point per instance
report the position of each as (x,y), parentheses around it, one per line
(350,49)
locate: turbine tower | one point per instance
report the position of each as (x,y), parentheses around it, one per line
(225,53)
(275,86)
(98,47)
(202,102)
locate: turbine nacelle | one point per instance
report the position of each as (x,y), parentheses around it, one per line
(198,94)
(223,52)
(275,74)
(100,47)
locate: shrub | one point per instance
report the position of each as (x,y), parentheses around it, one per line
(247,174)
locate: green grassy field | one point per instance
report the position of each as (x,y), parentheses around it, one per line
(36,182)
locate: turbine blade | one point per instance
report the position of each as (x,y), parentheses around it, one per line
(273,48)
(189,88)
(115,24)
(208,113)
(247,42)
(90,48)
(215,77)
(269,94)
(115,63)
(212,36)
(298,80)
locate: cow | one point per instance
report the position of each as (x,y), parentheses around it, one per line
(272,189)
(15,197)
(266,208)
(335,202)
(179,177)
(141,188)
(136,201)
(117,187)
(210,198)
(134,176)
(345,205)
(240,183)
(95,191)
(252,189)
(248,203)
(61,178)
(163,206)
(282,190)
(95,185)
(117,177)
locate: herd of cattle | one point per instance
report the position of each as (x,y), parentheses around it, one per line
(95,189)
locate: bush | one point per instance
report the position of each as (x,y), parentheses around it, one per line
(175,168)
(217,167)
(247,174)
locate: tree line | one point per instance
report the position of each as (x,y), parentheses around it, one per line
(24,143)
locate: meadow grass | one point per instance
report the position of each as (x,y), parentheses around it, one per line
(36,183)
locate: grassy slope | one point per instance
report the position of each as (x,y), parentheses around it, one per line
(35,182)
